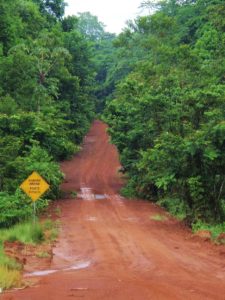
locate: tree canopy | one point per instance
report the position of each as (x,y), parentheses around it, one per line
(167,114)
(46,98)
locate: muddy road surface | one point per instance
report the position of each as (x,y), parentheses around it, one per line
(113,248)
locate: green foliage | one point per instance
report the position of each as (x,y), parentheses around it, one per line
(14,208)
(39,160)
(27,233)
(89,26)
(177,207)
(128,191)
(73,194)
(215,229)
(53,9)
(48,224)
(46,98)
(8,263)
(82,30)
(17,207)
(159,218)
(167,113)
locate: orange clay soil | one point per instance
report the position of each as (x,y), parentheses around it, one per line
(111,248)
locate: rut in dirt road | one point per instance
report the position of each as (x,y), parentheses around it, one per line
(111,248)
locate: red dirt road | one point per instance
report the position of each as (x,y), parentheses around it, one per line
(110,248)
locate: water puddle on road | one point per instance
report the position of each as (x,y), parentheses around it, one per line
(91,219)
(100,197)
(131,219)
(86,193)
(77,266)
(41,273)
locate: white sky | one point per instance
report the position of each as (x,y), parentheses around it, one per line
(113,13)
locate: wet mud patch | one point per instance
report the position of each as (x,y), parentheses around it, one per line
(88,194)
(131,219)
(91,219)
(100,197)
(89,139)
(78,266)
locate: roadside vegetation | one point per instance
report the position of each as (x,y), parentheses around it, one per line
(167,113)
(28,233)
(47,103)
(46,99)
(159,218)
(52,80)
(52,69)
(216,230)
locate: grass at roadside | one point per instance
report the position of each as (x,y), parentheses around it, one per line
(9,278)
(159,218)
(26,233)
(73,194)
(215,229)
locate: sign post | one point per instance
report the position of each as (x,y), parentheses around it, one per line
(34,186)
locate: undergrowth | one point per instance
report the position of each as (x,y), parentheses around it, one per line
(159,218)
(9,278)
(27,233)
(175,206)
(215,229)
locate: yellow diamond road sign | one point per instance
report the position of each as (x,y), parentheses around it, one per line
(34,186)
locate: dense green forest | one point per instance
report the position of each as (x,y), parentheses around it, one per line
(160,85)
(167,114)
(46,97)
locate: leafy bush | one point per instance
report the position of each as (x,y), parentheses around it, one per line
(215,229)
(128,190)
(14,208)
(38,159)
(17,207)
(175,206)
(167,115)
